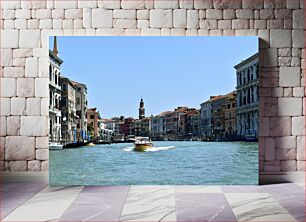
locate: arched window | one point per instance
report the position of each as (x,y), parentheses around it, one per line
(55,77)
(64,87)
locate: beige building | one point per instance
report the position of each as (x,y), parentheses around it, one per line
(93,117)
(230,116)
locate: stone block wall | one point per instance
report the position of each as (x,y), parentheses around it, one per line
(26,25)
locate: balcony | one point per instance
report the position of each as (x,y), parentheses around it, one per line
(54,85)
(54,109)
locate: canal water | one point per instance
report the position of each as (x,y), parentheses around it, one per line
(167,163)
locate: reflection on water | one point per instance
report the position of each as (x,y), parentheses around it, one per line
(168,162)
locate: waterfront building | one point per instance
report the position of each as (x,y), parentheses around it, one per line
(181,113)
(158,126)
(106,134)
(141,109)
(170,125)
(247,97)
(81,109)
(108,124)
(128,127)
(117,122)
(137,127)
(55,113)
(145,127)
(68,106)
(212,118)
(193,124)
(230,116)
(121,125)
(206,115)
(93,117)
(107,129)
(217,118)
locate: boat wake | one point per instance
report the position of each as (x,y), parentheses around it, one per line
(151,149)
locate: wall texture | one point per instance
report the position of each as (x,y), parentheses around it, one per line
(26,25)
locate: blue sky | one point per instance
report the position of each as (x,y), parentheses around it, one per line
(166,71)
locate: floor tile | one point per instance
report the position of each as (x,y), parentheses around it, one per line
(97,204)
(203,207)
(106,189)
(298,212)
(149,203)
(283,188)
(15,194)
(289,199)
(22,187)
(14,198)
(257,207)
(242,189)
(47,205)
(197,189)
(6,210)
(301,185)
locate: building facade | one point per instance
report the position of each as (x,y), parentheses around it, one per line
(81,109)
(218,120)
(170,125)
(206,118)
(128,126)
(145,127)
(230,116)
(158,126)
(193,125)
(55,114)
(247,97)
(68,106)
(93,117)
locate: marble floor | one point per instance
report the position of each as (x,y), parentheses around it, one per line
(40,202)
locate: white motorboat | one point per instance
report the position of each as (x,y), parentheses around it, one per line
(55,146)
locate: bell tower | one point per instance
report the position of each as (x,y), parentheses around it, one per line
(55,50)
(141,109)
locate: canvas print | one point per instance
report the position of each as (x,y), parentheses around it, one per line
(153,110)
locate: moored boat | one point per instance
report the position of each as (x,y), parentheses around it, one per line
(90,144)
(142,144)
(251,138)
(55,146)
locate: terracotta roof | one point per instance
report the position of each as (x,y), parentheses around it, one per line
(231,93)
(193,112)
(164,113)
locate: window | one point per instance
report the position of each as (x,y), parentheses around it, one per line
(55,78)
(64,101)
(92,116)
(50,73)
(64,117)
(64,87)
(78,101)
